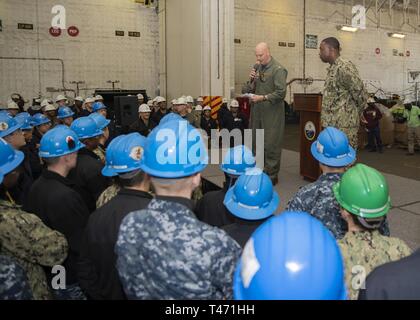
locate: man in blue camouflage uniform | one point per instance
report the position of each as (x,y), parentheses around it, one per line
(14,283)
(334,154)
(164,251)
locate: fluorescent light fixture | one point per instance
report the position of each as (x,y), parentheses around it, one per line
(396,35)
(347,28)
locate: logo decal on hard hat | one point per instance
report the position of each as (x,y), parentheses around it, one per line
(3,126)
(70,142)
(250,264)
(136,153)
(319,147)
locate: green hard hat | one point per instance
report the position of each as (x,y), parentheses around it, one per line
(364,192)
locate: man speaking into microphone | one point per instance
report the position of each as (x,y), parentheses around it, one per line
(267,83)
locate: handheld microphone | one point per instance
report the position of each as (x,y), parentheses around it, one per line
(256,68)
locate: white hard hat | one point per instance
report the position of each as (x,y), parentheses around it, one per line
(150,103)
(200,99)
(50,107)
(180,101)
(144,108)
(173,101)
(99,97)
(234,103)
(224,100)
(160,99)
(198,108)
(60,97)
(371,100)
(79,98)
(190,99)
(15,96)
(37,100)
(140,96)
(45,102)
(90,100)
(206,108)
(408,100)
(11,105)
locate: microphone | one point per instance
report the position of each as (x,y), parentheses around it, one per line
(256,68)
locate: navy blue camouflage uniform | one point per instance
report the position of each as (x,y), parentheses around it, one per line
(164,252)
(14,284)
(318,199)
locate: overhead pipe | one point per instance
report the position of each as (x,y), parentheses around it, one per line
(45,59)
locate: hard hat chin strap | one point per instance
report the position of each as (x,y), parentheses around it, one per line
(373,224)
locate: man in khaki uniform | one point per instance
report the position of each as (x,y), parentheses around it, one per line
(268,84)
(345,96)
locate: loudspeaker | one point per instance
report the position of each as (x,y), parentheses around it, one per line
(126,111)
(109,99)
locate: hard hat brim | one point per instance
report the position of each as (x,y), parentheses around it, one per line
(108,172)
(10,130)
(66,116)
(12,165)
(56,155)
(96,134)
(106,124)
(101,108)
(29,127)
(331,162)
(247,213)
(41,123)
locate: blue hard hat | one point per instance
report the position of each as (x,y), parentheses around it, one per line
(8,125)
(64,112)
(40,119)
(98,106)
(175,149)
(237,160)
(10,158)
(170,117)
(85,128)
(100,120)
(126,155)
(252,197)
(332,148)
(25,119)
(107,170)
(58,142)
(292,256)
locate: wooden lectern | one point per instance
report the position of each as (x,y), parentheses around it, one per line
(309,106)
